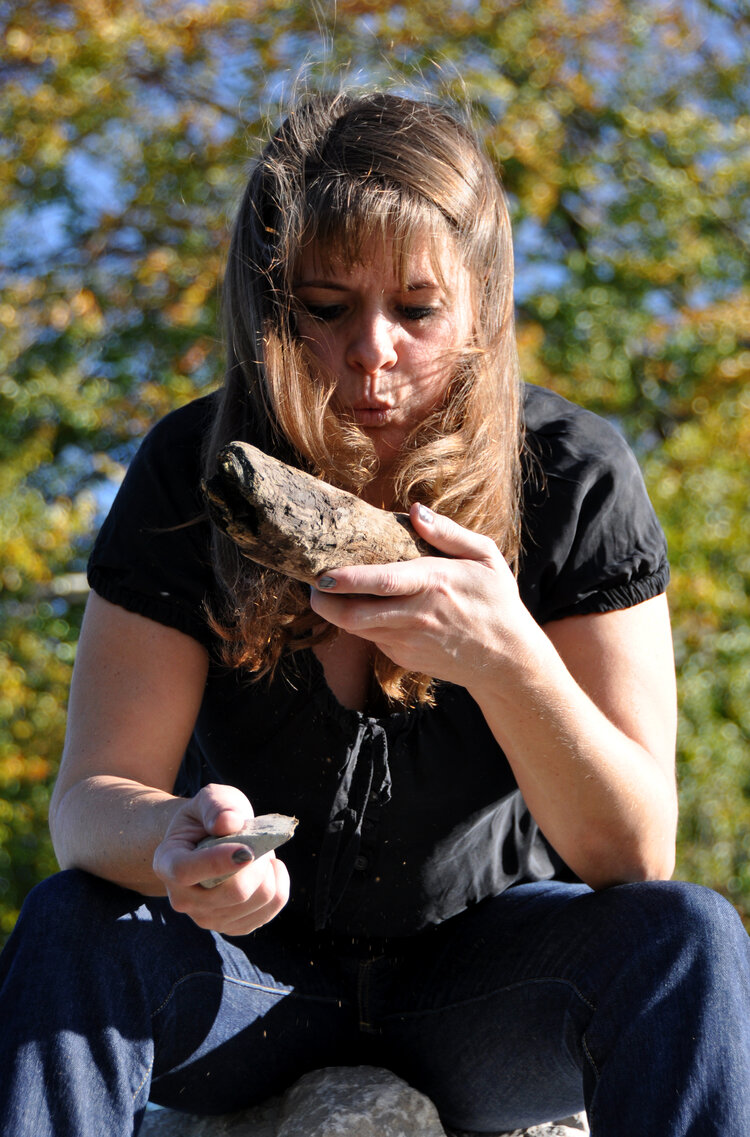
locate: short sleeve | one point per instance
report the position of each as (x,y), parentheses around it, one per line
(152,555)
(591,541)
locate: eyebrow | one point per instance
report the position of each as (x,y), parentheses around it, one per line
(333,286)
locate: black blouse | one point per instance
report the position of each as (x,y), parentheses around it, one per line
(405,818)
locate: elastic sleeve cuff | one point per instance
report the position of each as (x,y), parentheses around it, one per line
(157,608)
(617,597)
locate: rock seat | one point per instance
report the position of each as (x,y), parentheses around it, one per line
(346,1101)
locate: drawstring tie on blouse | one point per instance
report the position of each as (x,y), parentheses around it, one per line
(365,777)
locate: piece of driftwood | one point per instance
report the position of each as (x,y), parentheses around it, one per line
(259,835)
(287,520)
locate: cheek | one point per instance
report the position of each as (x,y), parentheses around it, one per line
(318,340)
(429,382)
(434,361)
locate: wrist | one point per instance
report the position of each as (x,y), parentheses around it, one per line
(519,662)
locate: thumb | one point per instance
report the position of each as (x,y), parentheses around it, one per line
(451,538)
(224,809)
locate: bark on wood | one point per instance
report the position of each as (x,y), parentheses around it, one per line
(287,520)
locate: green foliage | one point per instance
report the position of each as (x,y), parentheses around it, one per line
(623,132)
(700,483)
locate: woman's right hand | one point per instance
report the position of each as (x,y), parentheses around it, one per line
(136,693)
(256,890)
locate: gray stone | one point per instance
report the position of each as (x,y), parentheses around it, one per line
(361,1100)
(567,1127)
(347,1101)
(260,1121)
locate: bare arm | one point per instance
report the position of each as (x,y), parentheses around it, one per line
(136,692)
(134,698)
(595,704)
(584,709)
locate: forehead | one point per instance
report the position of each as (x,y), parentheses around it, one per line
(425,258)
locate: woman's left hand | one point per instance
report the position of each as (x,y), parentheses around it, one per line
(448,617)
(583,709)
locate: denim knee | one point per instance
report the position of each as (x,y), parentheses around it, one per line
(691,913)
(710,926)
(670,936)
(672,997)
(67,892)
(73,902)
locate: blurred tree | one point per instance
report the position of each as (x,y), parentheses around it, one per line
(623,133)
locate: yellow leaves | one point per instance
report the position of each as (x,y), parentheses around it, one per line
(59,315)
(700,484)
(541,198)
(34,452)
(85,307)
(17,768)
(532,134)
(732,313)
(36,536)
(32,705)
(182,314)
(194,357)
(196,293)
(158,261)
(26,563)
(51,147)
(737,368)
(188,309)
(530,336)
(14,691)
(18,42)
(163,272)
(156,399)
(43,99)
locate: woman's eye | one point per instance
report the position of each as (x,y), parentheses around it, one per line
(412,313)
(325,312)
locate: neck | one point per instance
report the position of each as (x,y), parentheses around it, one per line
(379,492)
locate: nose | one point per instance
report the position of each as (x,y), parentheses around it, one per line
(372,345)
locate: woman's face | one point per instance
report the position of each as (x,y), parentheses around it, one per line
(392,344)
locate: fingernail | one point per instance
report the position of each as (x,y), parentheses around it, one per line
(242,856)
(425,514)
(326,582)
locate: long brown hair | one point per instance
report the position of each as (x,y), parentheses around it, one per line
(341,170)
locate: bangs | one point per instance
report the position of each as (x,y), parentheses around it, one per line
(349,220)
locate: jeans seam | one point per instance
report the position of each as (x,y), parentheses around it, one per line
(222,979)
(146,1078)
(489,995)
(589,1055)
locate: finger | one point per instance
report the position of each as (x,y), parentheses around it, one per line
(274,898)
(223,809)
(251,898)
(450,537)
(182,869)
(267,897)
(403,578)
(366,617)
(231,878)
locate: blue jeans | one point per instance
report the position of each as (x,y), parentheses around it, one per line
(634,1002)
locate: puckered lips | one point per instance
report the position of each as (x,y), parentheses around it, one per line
(371,413)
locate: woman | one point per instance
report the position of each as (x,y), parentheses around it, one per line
(479,746)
